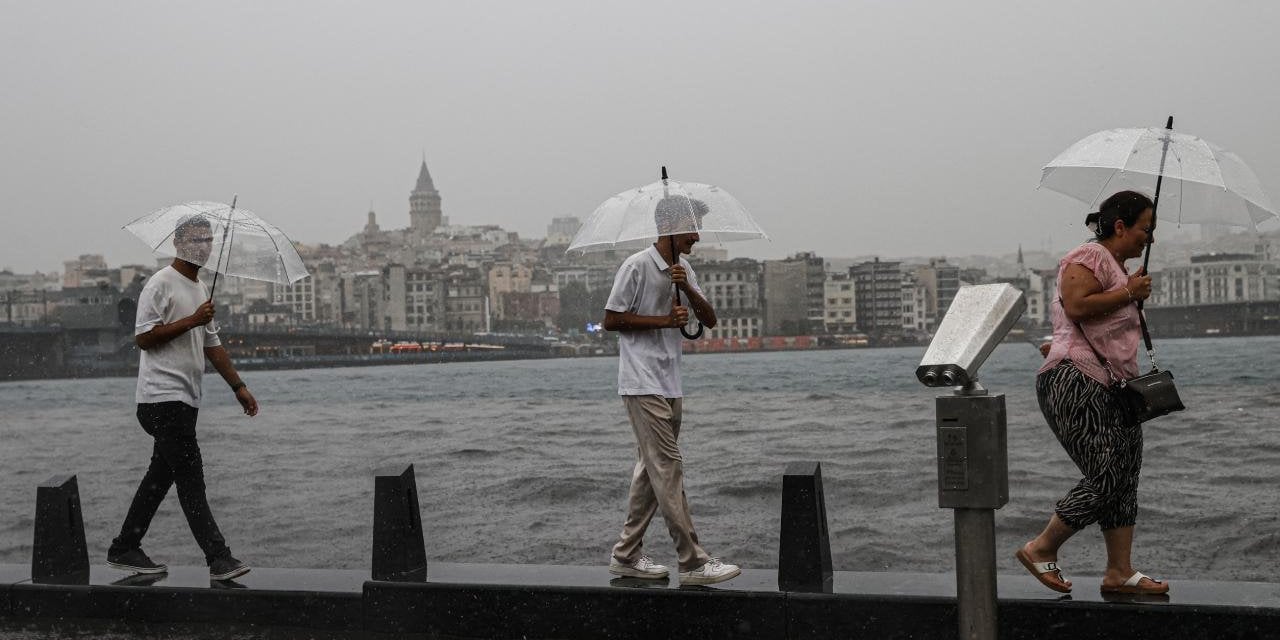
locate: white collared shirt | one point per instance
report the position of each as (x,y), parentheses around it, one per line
(648,360)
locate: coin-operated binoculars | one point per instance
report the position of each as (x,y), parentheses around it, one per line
(973,463)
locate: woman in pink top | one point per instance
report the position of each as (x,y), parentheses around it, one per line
(1096,306)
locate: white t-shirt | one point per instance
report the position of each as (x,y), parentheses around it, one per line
(172,371)
(648,361)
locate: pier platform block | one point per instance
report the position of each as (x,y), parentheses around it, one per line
(541,601)
(58,551)
(804,547)
(399,553)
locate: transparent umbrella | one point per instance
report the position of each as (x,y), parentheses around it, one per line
(637,217)
(1196,181)
(243,245)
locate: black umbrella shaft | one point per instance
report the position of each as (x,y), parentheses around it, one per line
(1146,258)
(1155,202)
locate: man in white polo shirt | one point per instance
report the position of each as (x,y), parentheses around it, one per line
(644,310)
(176,333)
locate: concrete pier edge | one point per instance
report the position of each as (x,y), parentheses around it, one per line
(541,601)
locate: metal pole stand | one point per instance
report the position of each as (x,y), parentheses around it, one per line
(973,479)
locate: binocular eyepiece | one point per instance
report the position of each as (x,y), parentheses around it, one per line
(942,376)
(978,319)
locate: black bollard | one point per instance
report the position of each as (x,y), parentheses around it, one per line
(804,548)
(58,552)
(398,551)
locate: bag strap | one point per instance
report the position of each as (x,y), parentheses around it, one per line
(1106,364)
(1146,336)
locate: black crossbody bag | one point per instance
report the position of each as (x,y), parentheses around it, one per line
(1149,395)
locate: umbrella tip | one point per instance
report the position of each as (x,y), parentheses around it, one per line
(1169,124)
(664,172)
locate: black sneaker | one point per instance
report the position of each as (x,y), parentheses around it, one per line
(135,561)
(226,568)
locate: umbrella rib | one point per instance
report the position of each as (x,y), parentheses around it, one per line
(1103,188)
(166,237)
(279,257)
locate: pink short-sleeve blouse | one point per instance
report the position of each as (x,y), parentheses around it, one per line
(1115,335)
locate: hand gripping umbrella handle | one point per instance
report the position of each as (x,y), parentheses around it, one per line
(684,332)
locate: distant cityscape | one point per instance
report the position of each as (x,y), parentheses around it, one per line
(436,278)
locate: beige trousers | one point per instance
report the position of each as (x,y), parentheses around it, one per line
(657,482)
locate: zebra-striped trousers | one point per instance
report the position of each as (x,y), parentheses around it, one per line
(1101,438)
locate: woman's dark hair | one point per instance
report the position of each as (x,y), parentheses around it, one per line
(1124,206)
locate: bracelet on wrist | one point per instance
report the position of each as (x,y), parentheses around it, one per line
(236,386)
(1126,290)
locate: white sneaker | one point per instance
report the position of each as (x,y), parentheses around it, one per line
(710,573)
(642,568)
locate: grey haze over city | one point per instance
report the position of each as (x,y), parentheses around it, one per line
(857,128)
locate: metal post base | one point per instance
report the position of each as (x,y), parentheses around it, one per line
(976,573)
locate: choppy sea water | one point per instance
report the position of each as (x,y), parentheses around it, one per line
(528,461)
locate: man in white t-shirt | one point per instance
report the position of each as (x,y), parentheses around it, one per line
(643,309)
(176,333)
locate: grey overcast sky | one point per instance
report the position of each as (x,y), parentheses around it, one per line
(847,128)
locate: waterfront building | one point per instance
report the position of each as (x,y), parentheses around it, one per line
(878,296)
(1041,291)
(915,305)
(561,230)
(28,308)
(504,278)
(363,301)
(840,312)
(261,314)
(533,311)
(794,293)
(1217,278)
(86,270)
(10,281)
(97,322)
(28,298)
(414,298)
(941,281)
(299,298)
(733,289)
(705,253)
(594,277)
(238,295)
(466,306)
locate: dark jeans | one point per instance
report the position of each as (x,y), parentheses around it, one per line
(175,459)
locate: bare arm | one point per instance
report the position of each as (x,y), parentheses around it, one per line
(627,321)
(163,334)
(701,308)
(221,362)
(1083,297)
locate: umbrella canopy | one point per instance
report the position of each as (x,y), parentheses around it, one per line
(1202,182)
(636,218)
(243,245)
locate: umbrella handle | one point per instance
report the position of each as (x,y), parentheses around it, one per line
(695,335)
(675,258)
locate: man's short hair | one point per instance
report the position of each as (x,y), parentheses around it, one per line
(679,214)
(189,222)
